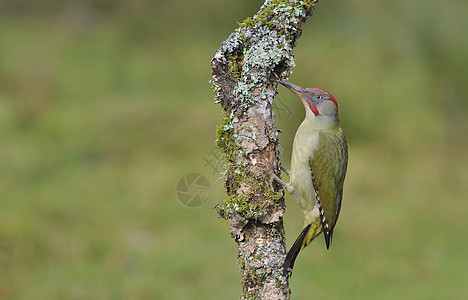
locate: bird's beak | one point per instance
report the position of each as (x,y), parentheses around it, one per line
(302,94)
(294,88)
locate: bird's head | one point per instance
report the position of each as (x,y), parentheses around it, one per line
(317,102)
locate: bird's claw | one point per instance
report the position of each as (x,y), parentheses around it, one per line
(287,186)
(288,172)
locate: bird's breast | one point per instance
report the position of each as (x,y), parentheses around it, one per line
(305,143)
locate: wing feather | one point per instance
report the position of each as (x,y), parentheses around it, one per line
(328,164)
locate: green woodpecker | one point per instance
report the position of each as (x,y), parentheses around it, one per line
(318,168)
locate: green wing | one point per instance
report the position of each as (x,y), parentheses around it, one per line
(328,164)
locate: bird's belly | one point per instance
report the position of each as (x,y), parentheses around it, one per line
(301,175)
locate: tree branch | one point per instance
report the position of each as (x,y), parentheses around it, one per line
(244,73)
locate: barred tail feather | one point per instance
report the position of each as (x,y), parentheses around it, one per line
(294,251)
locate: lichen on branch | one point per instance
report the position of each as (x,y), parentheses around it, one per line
(244,73)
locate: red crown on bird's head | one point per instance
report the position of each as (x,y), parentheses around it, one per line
(328,94)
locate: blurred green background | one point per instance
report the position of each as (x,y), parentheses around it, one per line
(105,105)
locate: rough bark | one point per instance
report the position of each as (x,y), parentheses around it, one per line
(244,73)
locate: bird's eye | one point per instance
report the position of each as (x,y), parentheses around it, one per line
(318,97)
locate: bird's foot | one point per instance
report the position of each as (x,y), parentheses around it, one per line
(287,186)
(288,172)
